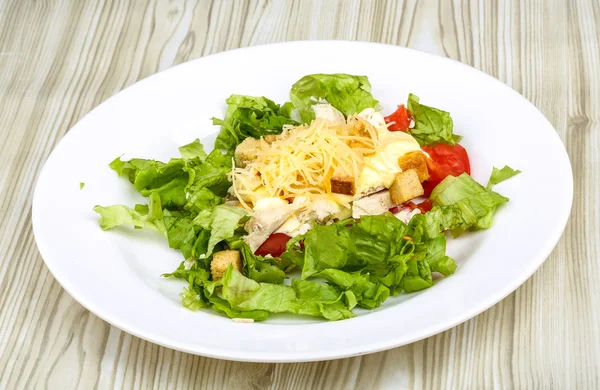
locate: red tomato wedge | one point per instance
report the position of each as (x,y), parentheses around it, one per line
(444,160)
(424,206)
(400,119)
(274,246)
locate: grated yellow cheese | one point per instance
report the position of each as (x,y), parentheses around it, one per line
(303,159)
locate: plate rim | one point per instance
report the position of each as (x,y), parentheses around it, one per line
(297,356)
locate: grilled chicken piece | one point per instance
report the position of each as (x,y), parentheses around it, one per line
(374,204)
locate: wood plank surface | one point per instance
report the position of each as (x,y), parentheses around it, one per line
(60,59)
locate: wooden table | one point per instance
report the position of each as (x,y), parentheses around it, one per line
(58,60)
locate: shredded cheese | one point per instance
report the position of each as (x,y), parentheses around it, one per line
(303,159)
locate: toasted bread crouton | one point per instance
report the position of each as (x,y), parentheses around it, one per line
(270,138)
(342,185)
(417,161)
(221,261)
(406,186)
(246,151)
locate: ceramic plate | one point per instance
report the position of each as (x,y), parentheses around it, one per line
(116,274)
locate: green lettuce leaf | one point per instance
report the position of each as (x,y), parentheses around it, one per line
(202,200)
(368,293)
(149,176)
(182,233)
(220,305)
(210,176)
(259,268)
(326,247)
(456,218)
(146,217)
(224,221)
(432,126)
(349,94)
(472,199)
(294,254)
(250,116)
(375,257)
(499,175)
(193,150)
(436,256)
(303,297)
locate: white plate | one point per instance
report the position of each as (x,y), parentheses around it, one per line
(116,274)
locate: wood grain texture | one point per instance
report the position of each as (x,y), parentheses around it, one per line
(58,60)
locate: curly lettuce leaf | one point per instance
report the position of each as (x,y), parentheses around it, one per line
(184,194)
(149,176)
(368,292)
(193,297)
(193,150)
(143,217)
(456,218)
(259,268)
(182,233)
(499,175)
(349,94)
(432,126)
(303,297)
(395,256)
(474,201)
(436,256)
(225,220)
(250,116)
(202,292)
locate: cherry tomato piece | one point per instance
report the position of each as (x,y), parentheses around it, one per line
(401,119)
(274,246)
(424,206)
(445,160)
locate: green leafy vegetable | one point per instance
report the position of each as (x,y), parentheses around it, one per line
(148,176)
(303,297)
(193,150)
(499,175)
(182,233)
(457,218)
(261,269)
(349,94)
(474,201)
(184,194)
(148,217)
(368,292)
(81,185)
(432,126)
(375,257)
(250,116)
(225,221)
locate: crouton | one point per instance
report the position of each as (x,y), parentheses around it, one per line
(246,151)
(270,138)
(417,161)
(342,185)
(221,261)
(406,186)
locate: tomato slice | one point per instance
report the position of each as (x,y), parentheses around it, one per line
(424,206)
(274,246)
(401,119)
(445,160)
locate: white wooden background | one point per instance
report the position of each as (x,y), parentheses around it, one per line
(58,60)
